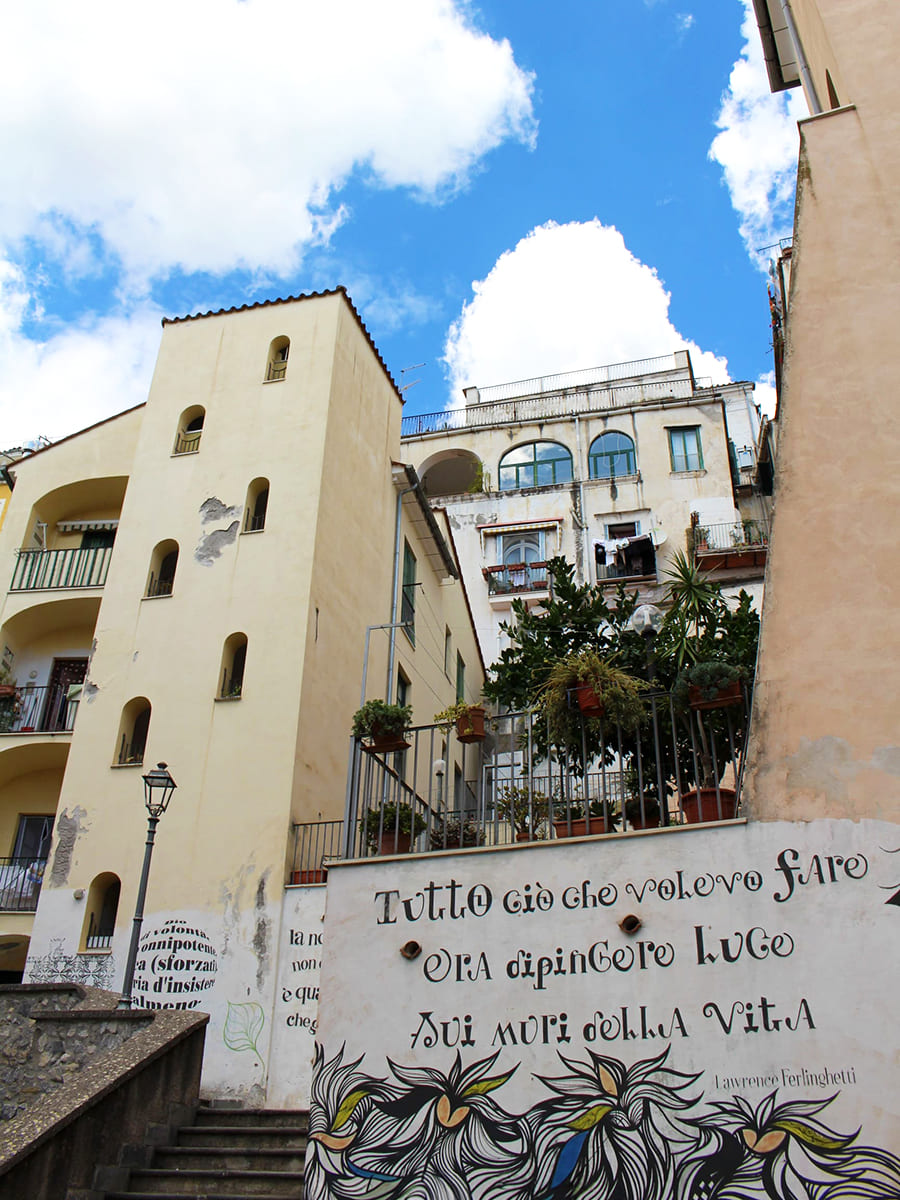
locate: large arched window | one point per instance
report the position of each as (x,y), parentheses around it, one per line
(231,671)
(276,363)
(255,508)
(133,729)
(100,915)
(611,455)
(190,430)
(535,465)
(163,563)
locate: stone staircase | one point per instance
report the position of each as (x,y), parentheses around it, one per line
(233,1153)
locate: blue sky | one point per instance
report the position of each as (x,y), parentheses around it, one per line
(504,188)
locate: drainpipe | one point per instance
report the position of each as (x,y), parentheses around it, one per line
(580,519)
(803,66)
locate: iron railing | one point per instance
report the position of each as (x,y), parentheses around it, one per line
(591,398)
(570,379)
(45,709)
(615,571)
(679,765)
(20,883)
(37,570)
(132,753)
(276,370)
(730,536)
(98,937)
(160,585)
(316,843)
(516,577)
(188,441)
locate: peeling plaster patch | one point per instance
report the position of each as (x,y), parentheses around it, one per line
(214,510)
(212,544)
(826,767)
(67,830)
(89,691)
(261,936)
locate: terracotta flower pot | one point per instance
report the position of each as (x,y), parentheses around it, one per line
(578,827)
(724,698)
(647,822)
(308,876)
(470,726)
(703,805)
(7,690)
(392,842)
(589,702)
(383,741)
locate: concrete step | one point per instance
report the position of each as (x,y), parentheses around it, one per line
(224,1157)
(286,1185)
(260,1117)
(251,1137)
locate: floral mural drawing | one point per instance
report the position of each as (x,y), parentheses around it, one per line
(243,1027)
(606,1132)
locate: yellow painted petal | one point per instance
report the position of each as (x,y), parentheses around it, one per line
(333,1143)
(812,1137)
(345,1112)
(765,1144)
(486,1085)
(592,1117)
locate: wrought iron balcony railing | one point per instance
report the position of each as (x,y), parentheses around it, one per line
(20,883)
(516,577)
(38,570)
(680,765)
(732,544)
(45,709)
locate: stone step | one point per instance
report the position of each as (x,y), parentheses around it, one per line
(261,1137)
(286,1185)
(224,1157)
(260,1117)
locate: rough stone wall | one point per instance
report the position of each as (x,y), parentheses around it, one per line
(43,1047)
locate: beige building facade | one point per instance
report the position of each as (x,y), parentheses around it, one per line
(192,582)
(825,736)
(615,468)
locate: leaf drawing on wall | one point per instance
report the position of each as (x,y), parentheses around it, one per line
(243,1026)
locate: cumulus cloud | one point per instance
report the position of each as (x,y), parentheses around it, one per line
(757,146)
(565,298)
(73,377)
(217,134)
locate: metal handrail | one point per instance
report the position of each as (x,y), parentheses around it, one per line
(510,578)
(730,535)
(38,570)
(44,709)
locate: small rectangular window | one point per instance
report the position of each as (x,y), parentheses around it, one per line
(448,652)
(685,451)
(408,600)
(460,677)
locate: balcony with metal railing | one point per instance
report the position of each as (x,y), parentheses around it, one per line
(45,709)
(679,766)
(731,544)
(42,570)
(20,883)
(516,578)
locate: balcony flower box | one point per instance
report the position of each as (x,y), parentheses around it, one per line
(469,720)
(702,804)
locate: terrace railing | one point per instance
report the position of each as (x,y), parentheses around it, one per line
(516,577)
(730,536)
(38,570)
(45,709)
(679,766)
(20,883)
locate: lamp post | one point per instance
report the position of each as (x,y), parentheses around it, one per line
(158,788)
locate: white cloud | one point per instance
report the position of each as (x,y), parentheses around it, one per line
(88,371)
(758,145)
(215,134)
(566,297)
(684,21)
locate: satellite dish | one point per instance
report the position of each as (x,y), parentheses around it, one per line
(658,536)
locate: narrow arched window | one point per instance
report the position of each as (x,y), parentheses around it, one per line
(276,363)
(190,430)
(231,672)
(100,915)
(255,508)
(163,564)
(611,456)
(535,464)
(134,727)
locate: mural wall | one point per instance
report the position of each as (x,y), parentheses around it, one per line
(691,1014)
(254,970)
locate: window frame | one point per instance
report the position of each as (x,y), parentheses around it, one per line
(533,465)
(408,593)
(692,459)
(630,454)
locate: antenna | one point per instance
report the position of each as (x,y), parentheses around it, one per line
(413,382)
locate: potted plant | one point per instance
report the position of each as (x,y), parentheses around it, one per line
(582,819)
(10,706)
(526,809)
(642,812)
(710,684)
(383,724)
(453,833)
(469,719)
(391,828)
(578,691)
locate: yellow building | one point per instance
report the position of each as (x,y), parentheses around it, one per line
(824,739)
(192,582)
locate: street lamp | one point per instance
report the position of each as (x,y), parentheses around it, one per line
(158,788)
